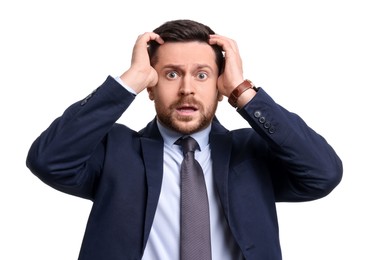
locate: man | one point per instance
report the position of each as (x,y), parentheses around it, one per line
(133,178)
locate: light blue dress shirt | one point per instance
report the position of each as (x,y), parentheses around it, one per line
(164,238)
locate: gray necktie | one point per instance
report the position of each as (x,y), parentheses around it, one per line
(195,241)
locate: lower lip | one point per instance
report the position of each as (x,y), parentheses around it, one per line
(186,112)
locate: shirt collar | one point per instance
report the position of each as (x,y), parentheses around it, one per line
(170,136)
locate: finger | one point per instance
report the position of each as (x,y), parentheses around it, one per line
(149,36)
(227,44)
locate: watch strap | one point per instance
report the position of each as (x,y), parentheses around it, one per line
(240,89)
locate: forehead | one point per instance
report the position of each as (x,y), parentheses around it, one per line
(183,53)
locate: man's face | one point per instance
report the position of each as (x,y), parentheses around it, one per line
(186,94)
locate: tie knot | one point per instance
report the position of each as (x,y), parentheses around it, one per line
(188,143)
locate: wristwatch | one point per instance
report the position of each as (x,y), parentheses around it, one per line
(235,94)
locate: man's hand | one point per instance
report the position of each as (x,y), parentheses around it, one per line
(141,74)
(233,70)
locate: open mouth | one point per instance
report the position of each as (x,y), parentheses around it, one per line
(187,109)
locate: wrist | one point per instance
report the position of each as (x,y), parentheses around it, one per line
(130,79)
(242,94)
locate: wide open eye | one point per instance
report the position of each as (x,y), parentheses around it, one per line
(202,75)
(172,75)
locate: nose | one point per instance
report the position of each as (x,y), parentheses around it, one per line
(186,86)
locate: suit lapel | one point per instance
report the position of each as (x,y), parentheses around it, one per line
(220,142)
(152,150)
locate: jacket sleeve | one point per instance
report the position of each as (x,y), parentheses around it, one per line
(69,154)
(305,166)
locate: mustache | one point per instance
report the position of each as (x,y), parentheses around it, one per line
(187,101)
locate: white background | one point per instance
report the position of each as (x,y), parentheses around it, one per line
(310,56)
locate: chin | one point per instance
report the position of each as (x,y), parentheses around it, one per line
(184,124)
(188,127)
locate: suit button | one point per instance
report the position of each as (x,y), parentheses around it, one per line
(262,119)
(257,114)
(87,98)
(271,130)
(267,125)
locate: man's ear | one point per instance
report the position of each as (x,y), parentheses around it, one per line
(150,93)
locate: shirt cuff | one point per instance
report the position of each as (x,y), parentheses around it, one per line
(118,79)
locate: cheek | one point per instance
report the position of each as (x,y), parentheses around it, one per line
(211,97)
(165,94)
(162,99)
(155,93)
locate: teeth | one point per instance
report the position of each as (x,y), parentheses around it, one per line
(187,109)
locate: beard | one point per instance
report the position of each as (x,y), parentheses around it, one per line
(186,124)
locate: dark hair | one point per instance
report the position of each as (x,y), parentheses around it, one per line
(185,31)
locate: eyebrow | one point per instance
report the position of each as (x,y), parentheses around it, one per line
(177,66)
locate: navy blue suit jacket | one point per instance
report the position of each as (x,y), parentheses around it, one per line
(86,153)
